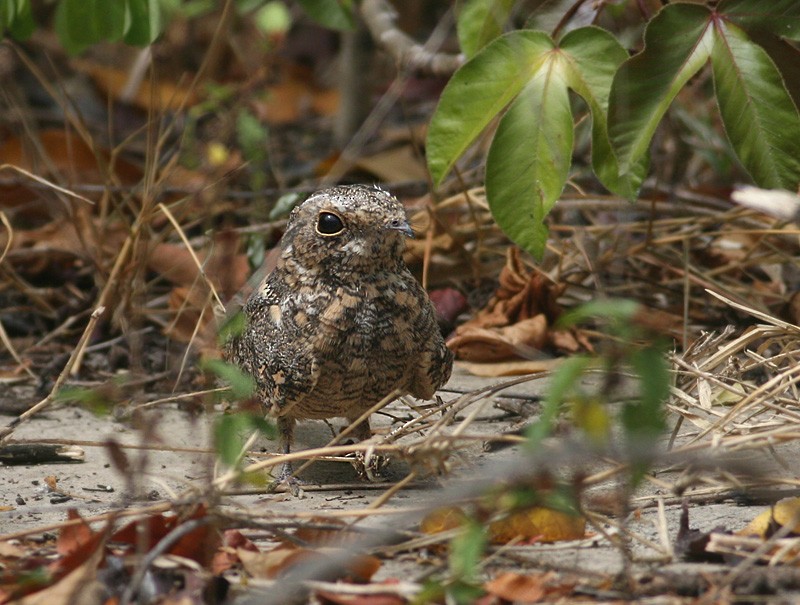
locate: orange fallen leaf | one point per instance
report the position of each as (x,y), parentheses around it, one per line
(160,96)
(539,524)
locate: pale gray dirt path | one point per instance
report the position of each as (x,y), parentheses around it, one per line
(27,504)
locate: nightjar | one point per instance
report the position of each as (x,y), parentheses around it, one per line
(340,323)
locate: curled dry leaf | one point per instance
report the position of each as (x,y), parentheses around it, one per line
(517,323)
(523,339)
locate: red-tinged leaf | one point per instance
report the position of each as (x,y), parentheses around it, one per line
(226,556)
(79,586)
(760,118)
(282,559)
(75,536)
(333,598)
(519,588)
(678,43)
(271,564)
(77,543)
(118,456)
(197,545)
(449,304)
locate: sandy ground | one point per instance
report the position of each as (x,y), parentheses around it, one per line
(96,486)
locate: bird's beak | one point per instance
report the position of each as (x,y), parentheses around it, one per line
(402,226)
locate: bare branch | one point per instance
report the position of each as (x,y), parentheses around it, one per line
(381,17)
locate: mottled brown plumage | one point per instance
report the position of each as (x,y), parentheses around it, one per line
(340,323)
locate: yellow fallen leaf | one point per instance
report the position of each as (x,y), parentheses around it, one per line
(442,519)
(510,368)
(784,512)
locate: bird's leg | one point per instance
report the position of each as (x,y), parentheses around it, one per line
(286,475)
(368,465)
(363,431)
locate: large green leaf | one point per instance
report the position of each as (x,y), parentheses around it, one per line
(17,17)
(145,22)
(529,159)
(480,90)
(760,118)
(592,56)
(778,17)
(678,43)
(81,23)
(480,22)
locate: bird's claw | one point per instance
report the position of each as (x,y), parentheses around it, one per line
(369,466)
(286,478)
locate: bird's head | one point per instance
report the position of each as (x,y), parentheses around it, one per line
(346,229)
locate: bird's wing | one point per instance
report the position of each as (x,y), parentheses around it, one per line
(282,361)
(435,361)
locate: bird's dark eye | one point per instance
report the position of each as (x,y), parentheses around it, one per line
(329,224)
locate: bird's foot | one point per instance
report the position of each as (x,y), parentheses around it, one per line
(369,466)
(286,478)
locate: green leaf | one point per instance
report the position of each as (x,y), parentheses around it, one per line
(466,550)
(480,22)
(529,159)
(96,400)
(21,24)
(478,91)
(778,17)
(232,327)
(760,118)
(619,311)
(565,379)
(335,14)
(145,22)
(232,430)
(678,42)
(644,419)
(81,23)
(242,385)
(592,57)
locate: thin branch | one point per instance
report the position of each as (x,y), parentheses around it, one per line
(381,17)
